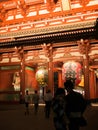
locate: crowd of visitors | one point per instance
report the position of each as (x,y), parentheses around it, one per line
(68,108)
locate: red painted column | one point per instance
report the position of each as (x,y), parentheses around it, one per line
(60,79)
(92,84)
(48,50)
(22,75)
(50,76)
(86,76)
(84,48)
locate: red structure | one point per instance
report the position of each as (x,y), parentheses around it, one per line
(49,33)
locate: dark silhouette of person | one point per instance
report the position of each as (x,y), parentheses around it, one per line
(27,100)
(75,106)
(48,99)
(58,107)
(35,101)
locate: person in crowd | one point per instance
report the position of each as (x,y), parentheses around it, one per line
(48,99)
(75,106)
(58,107)
(35,101)
(27,100)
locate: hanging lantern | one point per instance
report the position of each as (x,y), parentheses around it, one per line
(42,76)
(73,71)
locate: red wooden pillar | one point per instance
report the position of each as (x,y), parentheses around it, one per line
(86,77)
(60,79)
(48,50)
(92,84)
(22,74)
(84,48)
(50,76)
(96,88)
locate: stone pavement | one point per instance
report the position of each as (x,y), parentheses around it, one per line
(91,114)
(12,117)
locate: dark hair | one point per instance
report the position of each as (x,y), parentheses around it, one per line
(35,91)
(60,91)
(68,85)
(27,91)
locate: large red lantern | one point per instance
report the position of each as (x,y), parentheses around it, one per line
(72,70)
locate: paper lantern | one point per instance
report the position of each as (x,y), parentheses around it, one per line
(72,70)
(42,76)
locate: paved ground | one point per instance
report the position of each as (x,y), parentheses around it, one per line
(12,117)
(91,114)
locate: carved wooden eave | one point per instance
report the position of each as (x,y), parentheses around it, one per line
(49,29)
(36,22)
(53,34)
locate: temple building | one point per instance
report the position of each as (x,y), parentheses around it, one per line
(43,43)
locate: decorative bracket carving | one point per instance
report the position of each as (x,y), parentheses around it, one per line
(84,47)
(47,48)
